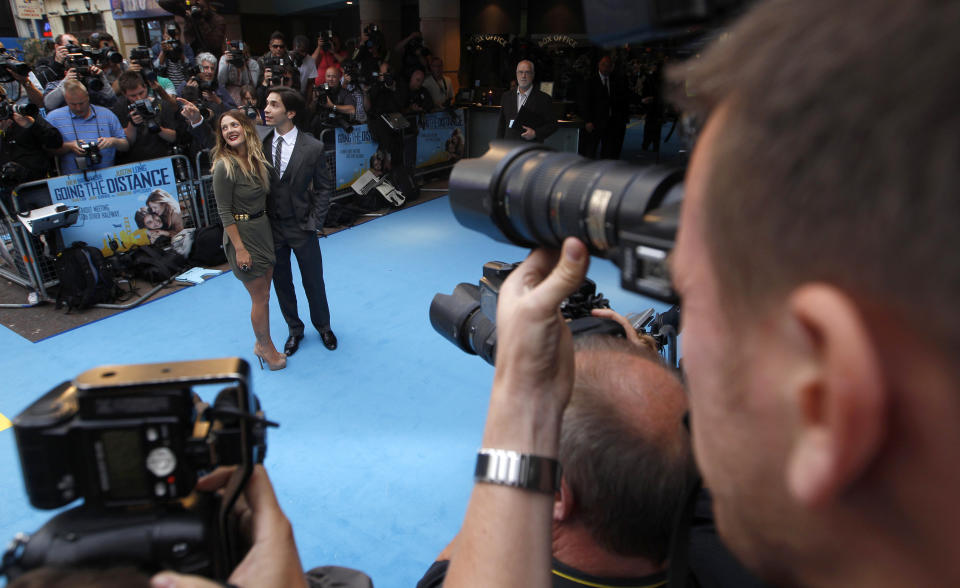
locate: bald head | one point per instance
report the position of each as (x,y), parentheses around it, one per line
(624,449)
(332,77)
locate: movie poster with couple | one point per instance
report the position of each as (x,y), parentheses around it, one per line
(135,204)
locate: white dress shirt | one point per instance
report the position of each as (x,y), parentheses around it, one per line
(522,97)
(289,140)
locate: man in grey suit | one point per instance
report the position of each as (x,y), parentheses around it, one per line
(300,190)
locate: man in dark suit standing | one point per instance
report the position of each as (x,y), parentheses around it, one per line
(300,189)
(526,113)
(603,104)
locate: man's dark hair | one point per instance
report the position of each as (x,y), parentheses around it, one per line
(628,483)
(130,80)
(838,155)
(59,38)
(290,98)
(278,35)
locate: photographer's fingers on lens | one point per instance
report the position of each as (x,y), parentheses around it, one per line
(555,275)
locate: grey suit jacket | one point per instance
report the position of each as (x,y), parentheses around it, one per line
(306,184)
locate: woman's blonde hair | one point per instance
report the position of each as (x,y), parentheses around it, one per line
(256,162)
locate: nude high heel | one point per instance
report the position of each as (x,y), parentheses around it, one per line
(261,357)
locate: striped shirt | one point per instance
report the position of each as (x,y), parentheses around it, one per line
(100,123)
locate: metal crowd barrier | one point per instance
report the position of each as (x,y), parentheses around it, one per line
(29,260)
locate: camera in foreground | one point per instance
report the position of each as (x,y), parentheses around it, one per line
(91,155)
(148,111)
(131,441)
(528,195)
(467,316)
(8,108)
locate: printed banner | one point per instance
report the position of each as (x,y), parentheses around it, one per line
(355,155)
(441,139)
(134,204)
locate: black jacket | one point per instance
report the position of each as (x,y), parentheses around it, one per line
(26,147)
(600,107)
(306,186)
(537,113)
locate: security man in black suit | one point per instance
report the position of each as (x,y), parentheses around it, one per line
(526,113)
(603,104)
(300,190)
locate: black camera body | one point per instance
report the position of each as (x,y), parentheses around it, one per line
(106,56)
(9,66)
(132,441)
(326,40)
(141,56)
(374,35)
(235,55)
(527,195)
(277,67)
(81,59)
(148,111)
(467,317)
(8,108)
(91,155)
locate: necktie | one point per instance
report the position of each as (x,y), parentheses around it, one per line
(523,100)
(606,83)
(277,160)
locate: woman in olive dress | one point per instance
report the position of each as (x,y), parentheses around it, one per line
(241,180)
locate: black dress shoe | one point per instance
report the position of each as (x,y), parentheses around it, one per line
(329,339)
(292,344)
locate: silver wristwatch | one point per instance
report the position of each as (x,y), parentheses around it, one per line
(518,470)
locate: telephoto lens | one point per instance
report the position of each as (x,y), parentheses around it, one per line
(528,195)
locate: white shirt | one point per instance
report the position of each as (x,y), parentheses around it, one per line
(289,140)
(522,97)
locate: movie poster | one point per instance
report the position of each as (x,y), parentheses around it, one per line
(355,155)
(441,139)
(135,204)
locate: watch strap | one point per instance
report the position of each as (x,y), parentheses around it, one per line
(518,470)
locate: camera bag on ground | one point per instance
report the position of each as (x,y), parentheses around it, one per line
(158,262)
(207,248)
(85,277)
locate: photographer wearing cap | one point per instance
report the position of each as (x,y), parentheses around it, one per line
(90,132)
(25,87)
(823,409)
(26,139)
(151,123)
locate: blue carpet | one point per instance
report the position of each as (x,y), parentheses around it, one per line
(374,455)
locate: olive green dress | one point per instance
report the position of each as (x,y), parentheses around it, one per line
(240,196)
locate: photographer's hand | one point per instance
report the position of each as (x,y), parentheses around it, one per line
(75,145)
(189,111)
(531,387)
(94,70)
(645,341)
(60,55)
(24,121)
(528,133)
(71,74)
(212,97)
(267,75)
(272,559)
(135,118)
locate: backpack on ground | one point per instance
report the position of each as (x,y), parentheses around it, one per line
(207,248)
(85,278)
(156,264)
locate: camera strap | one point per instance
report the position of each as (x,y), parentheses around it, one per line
(74,125)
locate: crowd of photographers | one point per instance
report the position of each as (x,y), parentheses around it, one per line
(87,106)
